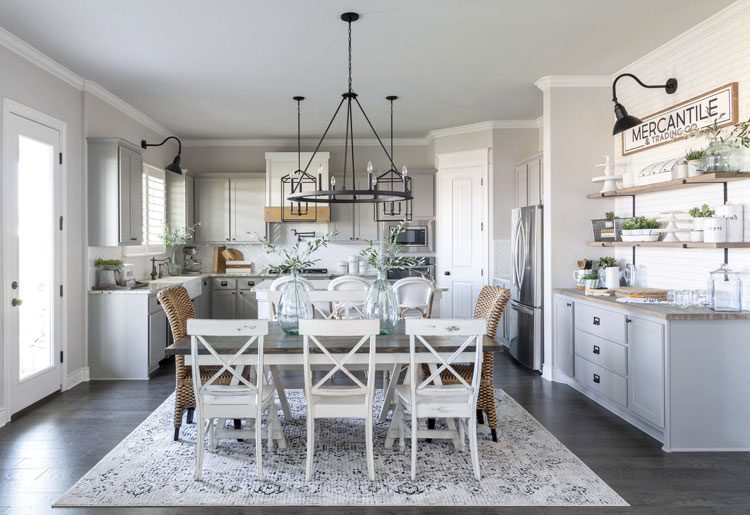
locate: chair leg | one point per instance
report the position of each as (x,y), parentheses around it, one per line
(310,446)
(414,431)
(401,427)
(388,400)
(480,417)
(277,431)
(369,445)
(259,444)
(473,447)
(178,411)
(430,425)
(199,443)
(190,415)
(492,419)
(177,433)
(393,428)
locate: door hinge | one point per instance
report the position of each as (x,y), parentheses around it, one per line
(482,271)
(61,357)
(60,157)
(61,223)
(481,181)
(61,290)
(481,226)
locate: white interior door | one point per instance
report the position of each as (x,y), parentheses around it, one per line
(32,185)
(462,231)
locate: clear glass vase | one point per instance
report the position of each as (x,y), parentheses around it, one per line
(722,157)
(294,304)
(382,303)
(174,267)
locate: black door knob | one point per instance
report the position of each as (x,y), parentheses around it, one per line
(447,272)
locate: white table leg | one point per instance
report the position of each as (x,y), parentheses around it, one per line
(280,391)
(390,391)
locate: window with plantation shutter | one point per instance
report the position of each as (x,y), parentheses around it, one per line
(154,212)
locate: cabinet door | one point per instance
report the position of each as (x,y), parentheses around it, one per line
(646,367)
(197,306)
(224,304)
(534,182)
(157,338)
(367,227)
(564,350)
(248,197)
(521,186)
(206,299)
(247,305)
(423,189)
(212,209)
(131,196)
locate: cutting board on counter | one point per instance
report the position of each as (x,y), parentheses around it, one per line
(222,255)
(641,293)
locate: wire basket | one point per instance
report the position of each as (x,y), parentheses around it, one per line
(607,230)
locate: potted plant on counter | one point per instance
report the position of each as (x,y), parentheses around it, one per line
(609,272)
(693,158)
(591,281)
(640,228)
(381,300)
(173,237)
(107,271)
(699,215)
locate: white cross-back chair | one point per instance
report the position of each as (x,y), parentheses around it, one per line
(342,309)
(425,398)
(242,399)
(415,296)
(325,400)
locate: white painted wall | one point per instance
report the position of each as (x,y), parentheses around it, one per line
(709,55)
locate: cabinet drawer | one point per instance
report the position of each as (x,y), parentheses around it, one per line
(601,322)
(605,353)
(220,283)
(602,381)
(246,283)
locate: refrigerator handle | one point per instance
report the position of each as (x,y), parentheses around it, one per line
(516,253)
(524,249)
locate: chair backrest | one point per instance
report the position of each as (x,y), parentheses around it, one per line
(490,305)
(349,282)
(420,331)
(415,294)
(278,285)
(318,298)
(341,309)
(177,305)
(312,332)
(202,332)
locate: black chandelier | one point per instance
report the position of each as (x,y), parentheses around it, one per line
(625,121)
(392,180)
(297,182)
(349,194)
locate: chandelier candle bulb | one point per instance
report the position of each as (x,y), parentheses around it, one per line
(369,174)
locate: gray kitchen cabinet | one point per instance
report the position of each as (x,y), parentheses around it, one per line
(212,209)
(180,200)
(646,367)
(205,298)
(247,201)
(198,306)
(115,192)
(366,224)
(423,189)
(247,305)
(224,304)
(157,338)
(563,345)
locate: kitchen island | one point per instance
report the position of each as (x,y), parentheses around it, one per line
(680,375)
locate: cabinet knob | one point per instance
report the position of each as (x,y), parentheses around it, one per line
(597,350)
(569,304)
(597,379)
(628,320)
(597,321)
(446,272)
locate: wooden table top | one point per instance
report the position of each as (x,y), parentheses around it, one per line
(278,342)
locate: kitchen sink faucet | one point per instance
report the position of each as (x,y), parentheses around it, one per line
(161,262)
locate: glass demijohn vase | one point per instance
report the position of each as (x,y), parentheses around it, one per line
(294,304)
(173,267)
(382,303)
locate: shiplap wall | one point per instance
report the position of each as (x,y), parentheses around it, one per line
(711,54)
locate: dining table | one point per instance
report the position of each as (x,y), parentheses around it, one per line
(285,351)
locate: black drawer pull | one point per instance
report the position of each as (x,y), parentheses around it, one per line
(223,283)
(597,379)
(597,350)
(251,283)
(596,321)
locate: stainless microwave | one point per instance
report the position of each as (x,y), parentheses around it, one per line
(417,238)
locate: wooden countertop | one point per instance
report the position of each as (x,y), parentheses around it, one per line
(665,311)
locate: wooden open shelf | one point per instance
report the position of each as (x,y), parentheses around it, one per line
(706,178)
(671,244)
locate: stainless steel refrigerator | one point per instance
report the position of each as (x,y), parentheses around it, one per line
(527,294)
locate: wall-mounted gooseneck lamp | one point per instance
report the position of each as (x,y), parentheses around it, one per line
(174,166)
(627,121)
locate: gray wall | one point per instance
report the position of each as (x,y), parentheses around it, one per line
(26,83)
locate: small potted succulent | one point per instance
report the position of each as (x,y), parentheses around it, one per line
(640,228)
(591,281)
(700,215)
(693,158)
(609,272)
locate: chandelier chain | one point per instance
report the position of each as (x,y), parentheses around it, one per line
(350,57)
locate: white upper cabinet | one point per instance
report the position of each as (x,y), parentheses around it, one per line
(115,193)
(212,209)
(246,220)
(180,200)
(529,183)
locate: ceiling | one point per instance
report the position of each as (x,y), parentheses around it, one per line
(228,69)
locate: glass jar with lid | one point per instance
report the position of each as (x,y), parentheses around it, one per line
(725,289)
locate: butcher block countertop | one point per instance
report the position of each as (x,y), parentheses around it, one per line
(665,311)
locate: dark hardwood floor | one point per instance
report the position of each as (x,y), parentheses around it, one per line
(44,452)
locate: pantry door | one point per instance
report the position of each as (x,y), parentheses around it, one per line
(32,185)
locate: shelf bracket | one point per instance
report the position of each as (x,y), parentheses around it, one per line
(633,209)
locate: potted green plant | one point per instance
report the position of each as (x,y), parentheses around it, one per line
(699,214)
(693,159)
(107,271)
(591,281)
(640,228)
(381,302)
(173,237)
(609,272)
(294,302)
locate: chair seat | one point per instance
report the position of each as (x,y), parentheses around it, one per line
(339,402)
(234,395)
(446,401)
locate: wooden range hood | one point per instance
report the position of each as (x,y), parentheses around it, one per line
(273,214)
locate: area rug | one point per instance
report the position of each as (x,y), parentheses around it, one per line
(526,467)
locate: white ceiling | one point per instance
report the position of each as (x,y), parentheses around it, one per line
(228,69)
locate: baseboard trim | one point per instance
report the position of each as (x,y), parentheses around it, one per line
(3,418)
(81,375)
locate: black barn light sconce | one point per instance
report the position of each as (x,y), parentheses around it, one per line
(174,166)
(627,121)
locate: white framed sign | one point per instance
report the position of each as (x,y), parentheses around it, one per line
(718,105)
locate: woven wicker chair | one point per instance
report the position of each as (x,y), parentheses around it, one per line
(490,304)
(178,307)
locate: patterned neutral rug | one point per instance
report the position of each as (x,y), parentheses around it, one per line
(527,466)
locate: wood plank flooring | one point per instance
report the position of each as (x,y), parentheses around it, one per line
(47,450)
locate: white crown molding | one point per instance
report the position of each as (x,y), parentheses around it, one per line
(539,122)
(287,142)
(125,108)
(574,81)
(20,47)
(480,126)
(712,25)
(32,54)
